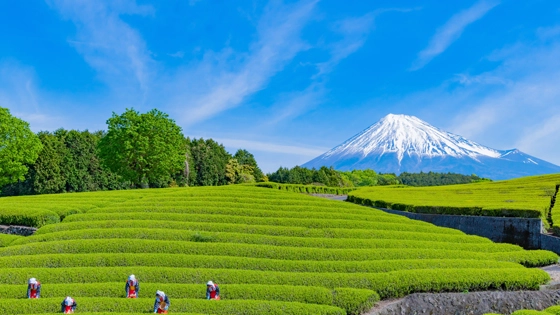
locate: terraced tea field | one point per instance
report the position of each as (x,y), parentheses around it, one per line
(271,252)
(521,197)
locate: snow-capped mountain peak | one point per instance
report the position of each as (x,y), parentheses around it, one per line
(401,143)
(409,136)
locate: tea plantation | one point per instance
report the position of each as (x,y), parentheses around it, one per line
(271,252)
(521,197)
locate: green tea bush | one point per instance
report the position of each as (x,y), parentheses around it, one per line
(249,307)
(307,189)
(252,250)
(32,218)
(388,284)
(227,237)
(409,225)
(7,239)
(352,300)
(476,211)
(330,233)
(228,262)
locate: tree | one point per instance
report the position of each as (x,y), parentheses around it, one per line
(208,160)
(143,148)
(246,158)
(19,147)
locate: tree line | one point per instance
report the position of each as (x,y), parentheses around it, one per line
(137,150)
(359,178)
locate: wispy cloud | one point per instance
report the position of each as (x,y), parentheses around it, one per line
(109,45)
(352,34)
(513,105)
(238,76)
(451,31)
(20,94)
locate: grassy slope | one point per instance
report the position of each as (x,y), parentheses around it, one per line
(527,193)
(271,251)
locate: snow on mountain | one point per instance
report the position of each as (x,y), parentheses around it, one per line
(401,143)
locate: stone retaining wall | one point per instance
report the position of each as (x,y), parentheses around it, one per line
(17,230)
(476,303)
(525,232)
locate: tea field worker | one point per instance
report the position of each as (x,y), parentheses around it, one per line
(33,289)
(69,305)
(212,291)
(162,303)
(132,287)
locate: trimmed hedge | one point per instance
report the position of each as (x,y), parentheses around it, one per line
(408,225)
(245,238)
(306,189)
(33,218)
(352,300)
(249,307)
(262,251)
(330,233)
(228,262)
(7,239)
(387,285)
(476,211)
(318,212)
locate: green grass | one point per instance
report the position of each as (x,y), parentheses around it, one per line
(271,251)
(522,197)
(553,310)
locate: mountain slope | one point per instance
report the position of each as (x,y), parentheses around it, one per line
(401,143)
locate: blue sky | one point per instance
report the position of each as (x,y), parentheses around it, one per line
(289,80)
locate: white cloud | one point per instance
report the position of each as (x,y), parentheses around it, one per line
(451,31)
(20,94)
(354,33)
(114,49)
(515,105)
(224,80)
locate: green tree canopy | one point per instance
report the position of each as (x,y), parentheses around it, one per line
(19,147)
(245,158)
(143,148)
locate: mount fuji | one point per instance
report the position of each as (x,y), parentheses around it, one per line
(401,143)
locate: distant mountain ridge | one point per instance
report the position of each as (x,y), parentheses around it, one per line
(402,143)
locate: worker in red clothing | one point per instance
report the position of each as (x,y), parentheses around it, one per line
(162,303)
(33,289)
(132,287)
(212,291)
(69,305)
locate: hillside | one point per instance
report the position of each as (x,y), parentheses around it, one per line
(521,197)
(401,143)
(270,251)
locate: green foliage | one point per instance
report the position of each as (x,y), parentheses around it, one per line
(271,251)
(523,197)
(437,179)
(249,307)
(529,258)
(209,160)
(7,239)
(244,263)
(303,176)
(19,147)
(158,233)
(247,159)
(68,162)
(306,189)
(354,301)
(33,218)
(143,148)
